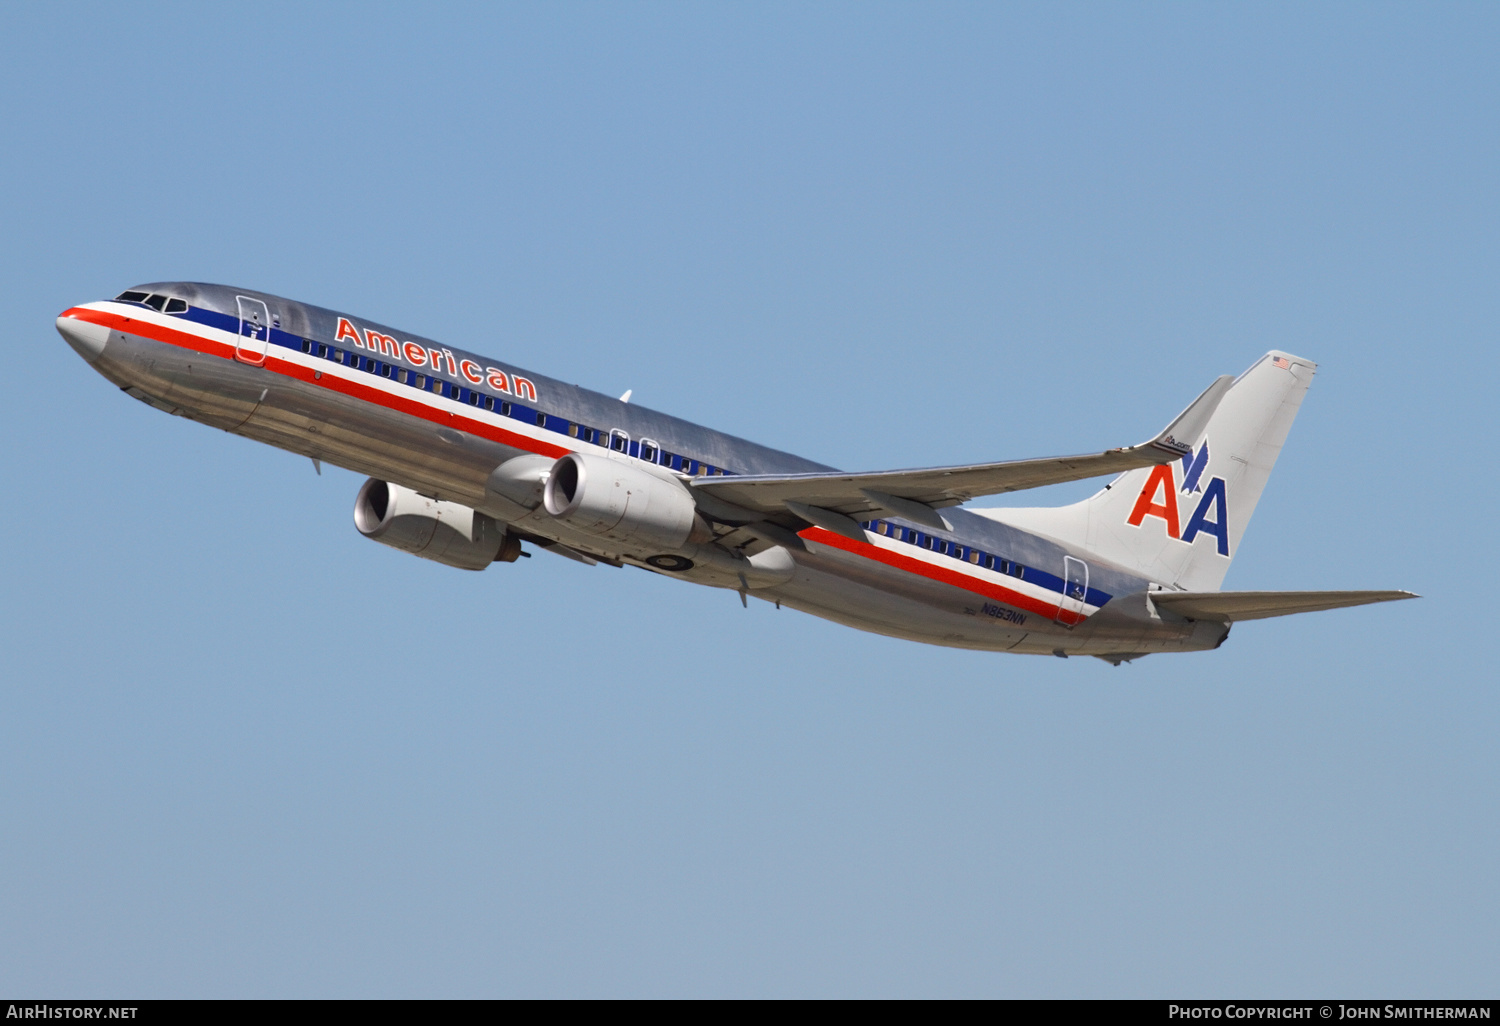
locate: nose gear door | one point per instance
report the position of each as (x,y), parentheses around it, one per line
(255,331)
(1075,591)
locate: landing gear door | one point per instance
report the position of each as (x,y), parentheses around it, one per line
(1075,591)
(255,331)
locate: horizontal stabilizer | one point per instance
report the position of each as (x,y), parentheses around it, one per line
(861,495)
(1257,605)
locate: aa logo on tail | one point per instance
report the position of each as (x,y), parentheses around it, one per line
(1158,499)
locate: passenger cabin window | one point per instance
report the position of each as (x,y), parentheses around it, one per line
(648,450)
(923,540)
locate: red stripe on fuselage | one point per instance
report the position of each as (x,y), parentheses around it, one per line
(922,568)
(401,404)
(332,382)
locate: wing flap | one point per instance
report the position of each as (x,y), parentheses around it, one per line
(853,494)
(1257,605)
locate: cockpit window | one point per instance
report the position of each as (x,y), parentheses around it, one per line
(155,301)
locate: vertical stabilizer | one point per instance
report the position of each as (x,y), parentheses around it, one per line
(1181,523)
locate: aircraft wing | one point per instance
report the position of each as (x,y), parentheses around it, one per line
(841,499)
(1257,605)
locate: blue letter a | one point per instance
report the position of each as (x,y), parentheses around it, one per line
(1214,495)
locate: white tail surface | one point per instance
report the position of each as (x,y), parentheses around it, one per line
(1181,523)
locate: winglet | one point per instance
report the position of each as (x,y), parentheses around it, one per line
(1182,434)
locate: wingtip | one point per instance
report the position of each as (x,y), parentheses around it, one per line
(1182,434)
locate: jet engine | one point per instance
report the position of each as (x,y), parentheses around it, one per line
(626,504)
(441,531)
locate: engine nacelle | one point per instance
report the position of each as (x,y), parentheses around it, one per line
(445,532)
(623,503)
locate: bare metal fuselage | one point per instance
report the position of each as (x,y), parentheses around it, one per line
(311,406)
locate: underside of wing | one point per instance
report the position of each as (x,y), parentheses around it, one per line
(914,494)
(934,486)
(1257,605)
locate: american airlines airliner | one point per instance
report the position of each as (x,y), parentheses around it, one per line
(471,459)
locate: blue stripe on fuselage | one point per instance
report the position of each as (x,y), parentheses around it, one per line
(279,337)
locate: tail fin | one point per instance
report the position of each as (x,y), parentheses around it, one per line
(1181,523)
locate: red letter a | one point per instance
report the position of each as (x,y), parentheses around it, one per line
(1146,506)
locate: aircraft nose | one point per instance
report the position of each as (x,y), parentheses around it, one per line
(86,337)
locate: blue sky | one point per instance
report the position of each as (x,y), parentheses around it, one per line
(244,752)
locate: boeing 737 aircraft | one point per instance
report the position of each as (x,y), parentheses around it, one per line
(470,458)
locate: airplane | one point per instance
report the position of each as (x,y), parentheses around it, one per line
(470,458)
